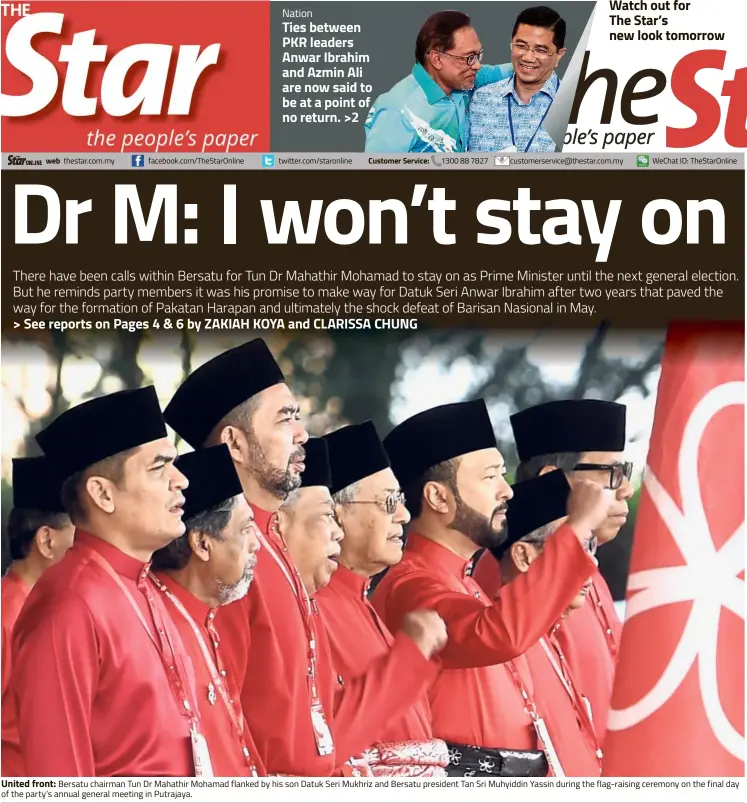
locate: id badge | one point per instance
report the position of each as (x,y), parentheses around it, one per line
(201,755)
(543,735)
(589,712)
(324,744)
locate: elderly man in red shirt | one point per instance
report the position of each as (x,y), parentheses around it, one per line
(585,438)
(300,726)
(370,507)
(211,565)
(537,510)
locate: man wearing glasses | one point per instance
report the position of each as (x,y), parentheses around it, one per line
(428,111)
(508,115)
(365,695)
(585,438)
(371,510)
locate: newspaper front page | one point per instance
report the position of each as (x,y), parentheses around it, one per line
(373,400)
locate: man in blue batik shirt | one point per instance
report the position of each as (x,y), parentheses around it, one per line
(508,115)
(429,109)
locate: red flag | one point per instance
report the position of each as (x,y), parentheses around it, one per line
(678,701)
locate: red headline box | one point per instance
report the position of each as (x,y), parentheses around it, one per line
(136,76)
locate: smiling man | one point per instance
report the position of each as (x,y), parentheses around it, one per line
(508,115)
(428,110)
(453,475)
(211,565)
(103,683)
(371,510)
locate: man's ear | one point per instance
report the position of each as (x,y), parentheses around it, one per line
(547,469)
(521,556)
(236,441)
(437,497)
(561,53)
(281,520)
(101,493)
(435,59)
(199,544)
(43,539)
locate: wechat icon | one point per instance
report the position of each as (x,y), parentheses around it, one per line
(641,161)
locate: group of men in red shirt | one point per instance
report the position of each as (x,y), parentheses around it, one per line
(212,614)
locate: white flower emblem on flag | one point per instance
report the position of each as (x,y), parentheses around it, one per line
(709,579)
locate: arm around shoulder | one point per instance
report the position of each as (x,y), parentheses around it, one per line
(491,73)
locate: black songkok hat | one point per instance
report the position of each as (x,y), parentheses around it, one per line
(437,435)
(101,428)
(212,479)
(208,394)
(581,425)
(35,485)
(535,502)
(355,452)
(318,470)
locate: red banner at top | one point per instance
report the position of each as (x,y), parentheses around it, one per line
(126,77)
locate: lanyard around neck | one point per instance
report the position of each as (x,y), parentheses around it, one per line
(170,665)
(509,101)
(236,717)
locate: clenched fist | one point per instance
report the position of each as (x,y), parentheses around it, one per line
(588,507)
(427,629)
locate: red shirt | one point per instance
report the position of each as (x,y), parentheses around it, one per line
(359,638)
(487,574)
(225,742)
(590,639)
(93,695)
(475,701)
(560,704)
(267,637)
(14,593)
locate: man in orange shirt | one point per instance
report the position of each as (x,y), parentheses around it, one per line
(536,511)
(211,565)
(370,507)
(39,534)
(585,438)
(447,461)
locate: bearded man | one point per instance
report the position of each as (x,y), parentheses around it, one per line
(301,725)
(453,476)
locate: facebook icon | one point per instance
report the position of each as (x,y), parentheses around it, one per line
(268,160)
(138,160)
